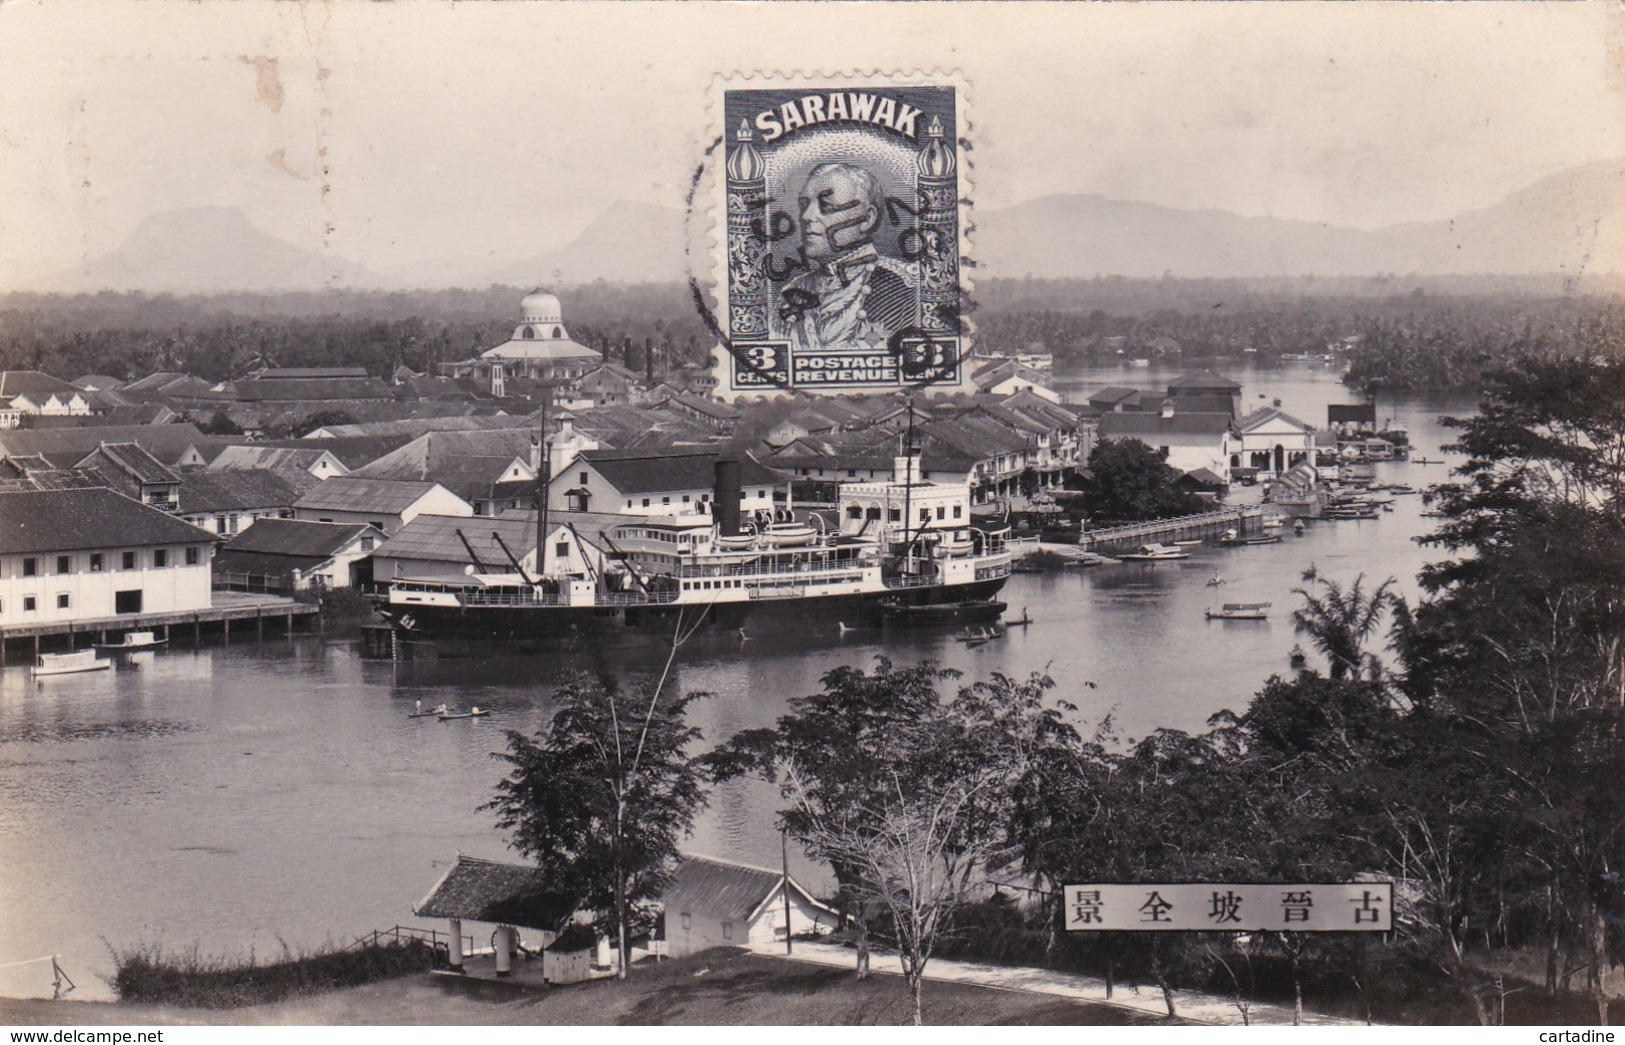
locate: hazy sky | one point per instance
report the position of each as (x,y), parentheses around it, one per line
(391,132)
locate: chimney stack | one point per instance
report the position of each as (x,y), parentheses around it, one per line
(725,496)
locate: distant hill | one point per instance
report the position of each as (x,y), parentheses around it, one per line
(1569,222)
(207,249)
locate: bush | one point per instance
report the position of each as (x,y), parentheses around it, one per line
(145,974)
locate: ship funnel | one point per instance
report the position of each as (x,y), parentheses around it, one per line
(725,496)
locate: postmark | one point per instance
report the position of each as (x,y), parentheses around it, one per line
(838,218)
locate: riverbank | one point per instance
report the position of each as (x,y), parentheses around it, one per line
(727,987)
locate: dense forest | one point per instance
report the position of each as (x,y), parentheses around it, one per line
(1399,333)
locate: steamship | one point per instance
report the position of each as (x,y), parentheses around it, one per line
(888,549)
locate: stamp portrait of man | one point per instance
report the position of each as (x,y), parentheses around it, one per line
(852,298)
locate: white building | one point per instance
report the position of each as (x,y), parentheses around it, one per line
(1191,441)
(717,903)
(1272,441)
(87,554)
(658,482)
(540,349)
(386,504)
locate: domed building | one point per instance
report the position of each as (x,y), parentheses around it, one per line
(540,348)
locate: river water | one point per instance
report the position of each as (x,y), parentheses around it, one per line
(248,797)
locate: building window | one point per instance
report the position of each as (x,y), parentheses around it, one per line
(854,512)
(377,524)
(95,562)
(727,930)
(160,558)
(685,498)
(851,473)
(191,556)
(665,500)
(64,564)
(62,600)
(894,515)
(128,561)
(561,550)
(646,502)
(530,333)
(688,920)
(29,603)
(583,478)
(30,567)
(942,512)
(629,502)
(958,511)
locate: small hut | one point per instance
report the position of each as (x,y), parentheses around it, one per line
(509,896)
(717,903)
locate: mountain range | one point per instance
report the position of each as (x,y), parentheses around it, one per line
(1570,222)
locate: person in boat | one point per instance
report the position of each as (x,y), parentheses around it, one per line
(1216,580)
(420,707)
(475,710)
(441,709)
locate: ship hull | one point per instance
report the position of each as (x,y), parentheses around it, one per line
(615,625)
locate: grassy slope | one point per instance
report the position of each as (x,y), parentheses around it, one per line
(718,988)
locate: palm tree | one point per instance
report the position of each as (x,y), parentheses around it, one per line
(1339,622)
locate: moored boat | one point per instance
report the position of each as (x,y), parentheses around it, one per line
(133,640)
(1240,611)
(69,663)
(1154,553)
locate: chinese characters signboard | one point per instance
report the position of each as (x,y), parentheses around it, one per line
(1195,907)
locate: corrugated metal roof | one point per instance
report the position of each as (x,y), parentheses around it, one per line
(347,493)
(95,517)
(507,894)
(722,888)
(306,389)
(297,537)
(433,538)
(132,461)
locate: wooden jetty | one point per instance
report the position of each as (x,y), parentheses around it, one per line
(228,608)
(1251,519)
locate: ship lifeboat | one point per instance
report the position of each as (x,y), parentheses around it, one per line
(737,543)
(956,547)
(787,535)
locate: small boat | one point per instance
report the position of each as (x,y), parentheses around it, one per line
(1274,522)
(1215,580)
(1401,488)
(1268,538)
(1187,544)
(736,543)
(1154,553)
(1091,559)
(979,636)
(1298,527)
(1297,658)
(1426,460)
(133,640)
(475,713)
(1240,611)
(969,611)
(69,663)
(1020,622)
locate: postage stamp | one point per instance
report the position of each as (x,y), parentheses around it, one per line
(838,235)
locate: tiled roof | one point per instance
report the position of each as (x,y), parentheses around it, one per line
(287,460)
(132,461)
(1265,414)
(413,427)
(100,382)
(65,447)
(1203,379)
(96,517)
(1117,426)
(507,894)
(352,451)
(236,489)
(306,389)
(556,350)
(297,537)
(1111,395)
(653,471)
(346,493)
(34,383)
(307,372)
